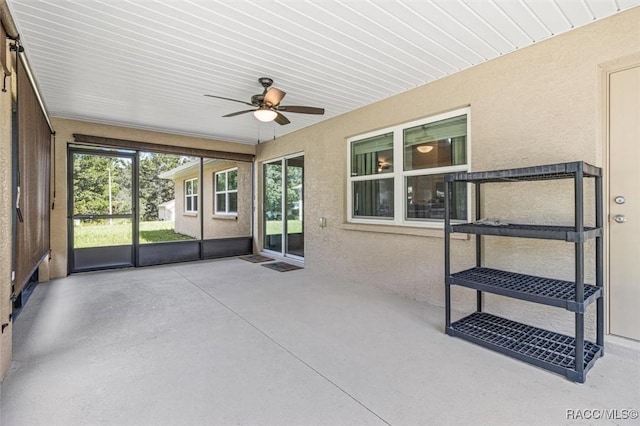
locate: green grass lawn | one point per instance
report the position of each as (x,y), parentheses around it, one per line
(119,233)
(274,227)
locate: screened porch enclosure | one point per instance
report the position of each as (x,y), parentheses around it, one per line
(134,207)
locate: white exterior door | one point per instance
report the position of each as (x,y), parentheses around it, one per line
(624,203)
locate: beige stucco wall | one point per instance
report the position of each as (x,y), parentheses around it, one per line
(215,225)
(228,226)
(539,105)
(5,220)
(186,223)
(64,135)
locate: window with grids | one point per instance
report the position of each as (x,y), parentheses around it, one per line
(191,195)
(226,192)
(396,175)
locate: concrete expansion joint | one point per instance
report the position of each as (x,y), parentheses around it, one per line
(280,345)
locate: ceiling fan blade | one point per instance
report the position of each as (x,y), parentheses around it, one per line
(281,119)
(273,97)
(233,114)
(229,99)
(301,109)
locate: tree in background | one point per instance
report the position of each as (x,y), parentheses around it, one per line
(153,190)
(98,179)
(294,191)
(273,190)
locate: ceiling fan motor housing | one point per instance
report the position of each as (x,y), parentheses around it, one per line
(265,81)
(257,99)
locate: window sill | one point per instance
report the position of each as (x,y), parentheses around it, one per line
(225,216)
(192,214)
(417,231)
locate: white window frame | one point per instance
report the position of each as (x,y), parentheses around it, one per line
(186,195)
(399,175)
(227,191)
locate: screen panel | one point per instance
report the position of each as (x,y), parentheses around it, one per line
(32,183)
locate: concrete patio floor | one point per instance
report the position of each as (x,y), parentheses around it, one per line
(228,342)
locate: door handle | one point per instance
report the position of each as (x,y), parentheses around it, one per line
(620,218)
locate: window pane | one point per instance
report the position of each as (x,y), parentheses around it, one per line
(232,180)
(220,181)
(189,204)
(439,144)
(233,202)
(425,198)
(189,187)
(372,156)
(195,202)
(221,203)
(373,198)
(194,183)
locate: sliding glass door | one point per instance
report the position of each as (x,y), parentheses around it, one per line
(294,235)
(283,223)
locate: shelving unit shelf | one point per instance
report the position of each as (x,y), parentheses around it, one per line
(547,349)
(545,232)
(567,355)
(547,291)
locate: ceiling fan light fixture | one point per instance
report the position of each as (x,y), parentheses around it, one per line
(265,114)
(268,105)
(423,149)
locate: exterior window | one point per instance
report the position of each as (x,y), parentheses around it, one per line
(191,195)
(372,170)
(396,176)
(434,146)
(226,192)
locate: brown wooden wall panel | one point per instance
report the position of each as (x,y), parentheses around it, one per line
(3,51)
(34,159)
(167,149)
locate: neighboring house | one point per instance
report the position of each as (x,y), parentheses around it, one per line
(167,210)
(223,195)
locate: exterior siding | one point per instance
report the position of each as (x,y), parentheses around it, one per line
(215,226)
(542,104)
(219,226)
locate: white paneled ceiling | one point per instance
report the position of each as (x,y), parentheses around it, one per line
(147,64)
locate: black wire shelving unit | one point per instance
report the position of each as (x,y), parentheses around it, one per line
(571,356)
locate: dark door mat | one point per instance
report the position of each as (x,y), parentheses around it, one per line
(256,258)
(281,266)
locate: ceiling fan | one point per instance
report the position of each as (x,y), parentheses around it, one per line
(267,105)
